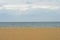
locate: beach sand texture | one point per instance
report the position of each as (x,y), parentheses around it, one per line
(29,33)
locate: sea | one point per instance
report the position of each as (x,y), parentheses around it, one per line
(30,24)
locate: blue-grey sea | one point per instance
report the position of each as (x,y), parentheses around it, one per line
(29,24)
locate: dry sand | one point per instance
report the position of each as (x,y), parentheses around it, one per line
(30,34)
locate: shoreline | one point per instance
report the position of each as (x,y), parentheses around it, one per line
(30,27)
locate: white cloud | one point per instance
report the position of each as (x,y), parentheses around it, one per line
(40,6)
(21,7)
(2,2)
(1,8)
(50,7)
(30,1)
(25,7)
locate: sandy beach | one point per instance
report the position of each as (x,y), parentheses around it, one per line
(29,33)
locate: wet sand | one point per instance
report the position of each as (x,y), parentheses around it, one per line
(29,33)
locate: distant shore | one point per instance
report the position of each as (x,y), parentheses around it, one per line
(29,33)
(8,27)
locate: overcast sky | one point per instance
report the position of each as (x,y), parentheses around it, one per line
(29,10)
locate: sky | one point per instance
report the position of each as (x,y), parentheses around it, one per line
(29,10)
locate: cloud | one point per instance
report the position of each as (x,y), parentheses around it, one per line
(2,2)
(22,7)
(25,7)
(45,6)
(29,10)
(30,1)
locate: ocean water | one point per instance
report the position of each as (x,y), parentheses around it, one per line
(29,24)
